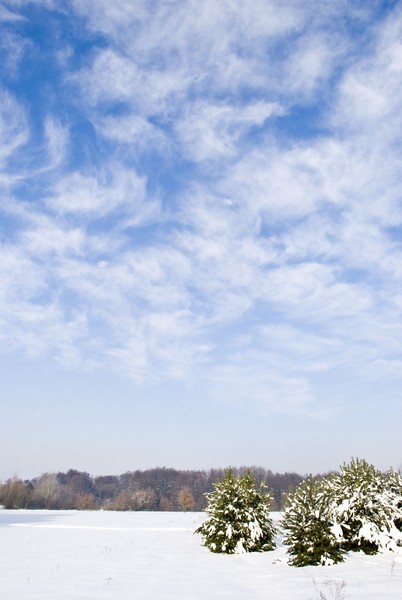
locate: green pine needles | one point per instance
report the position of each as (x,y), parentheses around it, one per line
(308,527)
(364,505)
(238,517)
(357,509)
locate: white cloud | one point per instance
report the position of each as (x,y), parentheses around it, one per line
(311,62)
(12,49)
(20,277)
(185,26)
(369,90)
(313,292)
(13,127)
(21,157)
(109,17)
(208,131)
(114,77)
(45,238)
(9,16)
(133,131)
(264,231)
(30,317)
(100,194)
(56,140)
(186,49)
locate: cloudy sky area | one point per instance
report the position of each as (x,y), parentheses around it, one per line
(201,234)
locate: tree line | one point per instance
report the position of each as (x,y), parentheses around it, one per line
(157,489)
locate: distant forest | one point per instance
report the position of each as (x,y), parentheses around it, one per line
(158,489)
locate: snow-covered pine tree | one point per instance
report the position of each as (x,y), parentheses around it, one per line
(306,523)
(364,506)
(393,482)
(238,516)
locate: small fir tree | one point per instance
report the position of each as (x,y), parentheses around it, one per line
(364,504)
(309,533)
(239,519)
(393,482)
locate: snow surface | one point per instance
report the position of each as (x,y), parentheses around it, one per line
(69,555)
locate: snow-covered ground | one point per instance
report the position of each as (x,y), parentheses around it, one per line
(68,555)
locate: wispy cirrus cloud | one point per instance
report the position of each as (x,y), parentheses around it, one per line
(99,195)
(13,127)
(208,131)
(206,173)
(7,15)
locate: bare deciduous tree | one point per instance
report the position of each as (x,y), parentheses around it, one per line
(15,494)
(47,491)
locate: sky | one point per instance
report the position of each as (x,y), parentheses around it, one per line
(200,234)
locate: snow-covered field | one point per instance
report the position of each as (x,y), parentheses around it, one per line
(68,555)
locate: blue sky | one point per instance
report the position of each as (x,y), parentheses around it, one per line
(200,228)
